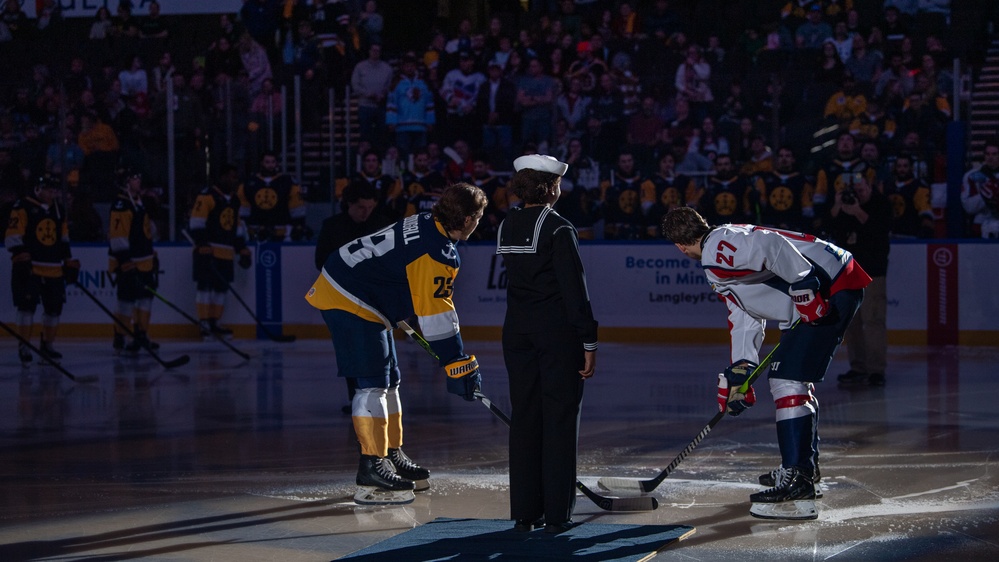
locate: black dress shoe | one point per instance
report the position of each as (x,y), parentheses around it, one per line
(556,528)
(852,377)
(525,525)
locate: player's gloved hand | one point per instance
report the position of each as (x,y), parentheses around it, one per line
(203,250)
(126,266)
(730,400)
(463,377)
(244,259)
(71,270)
(807,299)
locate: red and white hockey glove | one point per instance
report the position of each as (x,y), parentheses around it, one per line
(730,400)
(808,300)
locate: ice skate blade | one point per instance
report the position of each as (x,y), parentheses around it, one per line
(369,495)
(792,510)
(421,485)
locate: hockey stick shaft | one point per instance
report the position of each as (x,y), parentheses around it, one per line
(194,321)
(653,483)
(182,360)
(607,504)
(60,368)
(280,338)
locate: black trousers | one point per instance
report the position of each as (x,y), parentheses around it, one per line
(546,391)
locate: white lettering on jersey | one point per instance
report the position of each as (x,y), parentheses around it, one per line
(410,229)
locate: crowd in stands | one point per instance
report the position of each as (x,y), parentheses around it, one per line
(756,111)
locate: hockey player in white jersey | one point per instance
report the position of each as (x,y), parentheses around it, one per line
(767,274)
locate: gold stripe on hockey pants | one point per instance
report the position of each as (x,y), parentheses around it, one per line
(394,408)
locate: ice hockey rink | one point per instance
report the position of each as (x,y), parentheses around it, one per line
(226,459)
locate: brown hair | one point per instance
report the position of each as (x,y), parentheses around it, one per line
(684,226)
(458,201)
(533,186)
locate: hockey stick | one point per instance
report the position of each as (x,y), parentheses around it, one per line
(280,338)
(85,379)
(641,503)
(617,484)
(191,319)
(182,360)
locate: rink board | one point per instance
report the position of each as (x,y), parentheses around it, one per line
(495,539)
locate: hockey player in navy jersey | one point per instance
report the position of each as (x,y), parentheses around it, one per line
(364,289)
(782,276)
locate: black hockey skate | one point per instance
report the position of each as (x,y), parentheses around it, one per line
(141,341)
(213,325)
(406,468)
(793,497)
(48,353)
(770,479)
(380,484)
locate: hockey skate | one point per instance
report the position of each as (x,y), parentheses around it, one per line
(406,468)
(141,341)
(48,354)
(118,344)
(793,497)
(770,479)
(219,330)
(380,485)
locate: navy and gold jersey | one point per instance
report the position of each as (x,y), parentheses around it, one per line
(402,270)
(788,200)
(42,231)
(273,202)
(392,201)
(910,205)
(836,175)
(215,222)
(130,234)
(623,212)
(726,201)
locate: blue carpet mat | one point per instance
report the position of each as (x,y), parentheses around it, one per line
(445,539)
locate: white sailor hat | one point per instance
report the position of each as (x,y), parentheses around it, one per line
(541,163)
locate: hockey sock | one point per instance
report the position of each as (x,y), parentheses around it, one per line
(796,428)
(25,321)
(394,409)
(142,313)
(203,303)
(369,413)
(125,311)
(50,325)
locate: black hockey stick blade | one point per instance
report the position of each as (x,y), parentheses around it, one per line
(83,379)
(182,360)
(641,503)
(617,484)
(193,320)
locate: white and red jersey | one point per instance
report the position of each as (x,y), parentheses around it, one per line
(980,198)
(751,267)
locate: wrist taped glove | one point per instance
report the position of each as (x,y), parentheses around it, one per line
(808,301)
(71,270)
(463,377)
(730,400)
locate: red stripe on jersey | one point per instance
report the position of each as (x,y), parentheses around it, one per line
(730,273)
(792,401)
(851,277)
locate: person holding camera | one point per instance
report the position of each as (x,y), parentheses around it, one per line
(859,221)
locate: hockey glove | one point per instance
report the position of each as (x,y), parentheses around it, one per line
(463,377)
(808,299)
(244,259)
(730,400)
(71,270)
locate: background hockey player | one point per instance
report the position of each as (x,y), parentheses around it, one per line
(37,238)
(783,276)
(132,261)
(365,288)
(549,346)
(219,238)
(980,192)
(271,204)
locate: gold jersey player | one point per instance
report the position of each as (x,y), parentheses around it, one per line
(365,288)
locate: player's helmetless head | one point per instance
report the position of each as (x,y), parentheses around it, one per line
(991,158)
(685,227)
(460,208)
